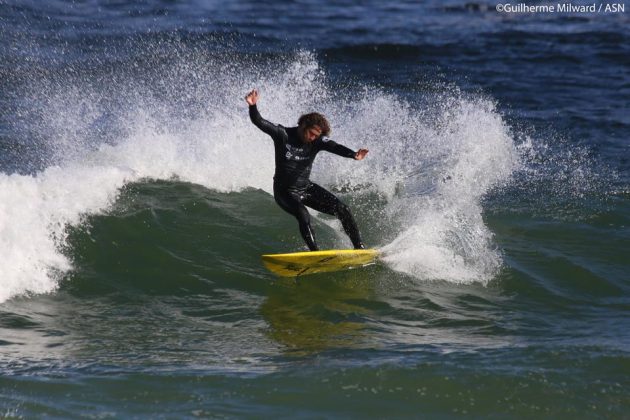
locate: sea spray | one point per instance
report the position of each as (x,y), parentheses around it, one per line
(434,172)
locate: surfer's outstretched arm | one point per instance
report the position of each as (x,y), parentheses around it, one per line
(341,150)
(272,129)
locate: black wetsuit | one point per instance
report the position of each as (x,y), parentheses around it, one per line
(292,187)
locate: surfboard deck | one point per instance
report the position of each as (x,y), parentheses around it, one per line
(310,262)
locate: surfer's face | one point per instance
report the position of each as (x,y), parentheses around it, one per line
(310,134)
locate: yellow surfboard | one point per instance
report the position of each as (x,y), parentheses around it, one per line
(310,262)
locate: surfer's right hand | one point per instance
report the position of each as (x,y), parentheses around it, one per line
(252,97)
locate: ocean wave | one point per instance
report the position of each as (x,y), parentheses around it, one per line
(429,166)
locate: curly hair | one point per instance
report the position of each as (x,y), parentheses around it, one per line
(315,118)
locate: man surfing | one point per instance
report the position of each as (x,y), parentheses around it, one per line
(295,150)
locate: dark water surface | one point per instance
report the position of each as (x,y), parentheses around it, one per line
(135,202)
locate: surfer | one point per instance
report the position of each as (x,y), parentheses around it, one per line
(295,150)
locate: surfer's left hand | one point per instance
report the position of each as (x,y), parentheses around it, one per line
(361,154)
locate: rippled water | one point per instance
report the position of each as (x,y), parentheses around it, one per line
(135,202)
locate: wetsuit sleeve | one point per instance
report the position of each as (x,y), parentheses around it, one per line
(272,129)
(336,148)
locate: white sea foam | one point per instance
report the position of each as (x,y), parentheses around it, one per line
(432,170)
(34,213)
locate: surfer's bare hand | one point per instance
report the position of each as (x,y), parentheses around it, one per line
(361,154)
(252,97)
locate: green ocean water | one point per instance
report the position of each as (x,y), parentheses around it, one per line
(170,313)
